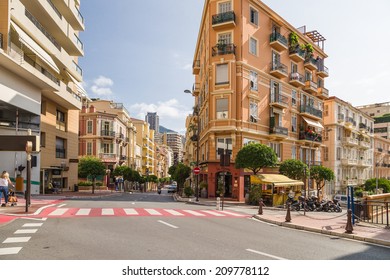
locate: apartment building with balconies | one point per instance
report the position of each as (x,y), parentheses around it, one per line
(255,83)
(175,141)
(107,132)
(348,145)
(381,113)
(40,84)
(381,157)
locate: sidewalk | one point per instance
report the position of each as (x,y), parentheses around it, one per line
(320,222)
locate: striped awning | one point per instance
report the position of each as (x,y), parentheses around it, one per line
(277,180)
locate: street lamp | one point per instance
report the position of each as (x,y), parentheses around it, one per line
(196,113)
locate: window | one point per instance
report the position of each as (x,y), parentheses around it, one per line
(43,107)
(89,149)
(294,123)
(43,139)
(254,16)
(308,76)
(320,83)
(225,38)
(253,46)
(294,67)
(107,148)
(277,149)
(222,108)
(89,127)
(293,152)
(338,153)
(224,145)
(326,153)
(294,98)
(224,7)
(222,76)
(60,148)
(61,121)
(253,82)
(253,108)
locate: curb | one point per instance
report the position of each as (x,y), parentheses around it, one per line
(326,232)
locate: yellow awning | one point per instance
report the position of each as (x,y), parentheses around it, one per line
(277,180)
(313,123)
(33,46)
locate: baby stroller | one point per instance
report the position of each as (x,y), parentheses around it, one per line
(12,199)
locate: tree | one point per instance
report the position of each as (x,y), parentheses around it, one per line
(91,166)
(179,173)
(370,185)
(321,174)
(255,156)
(294,169)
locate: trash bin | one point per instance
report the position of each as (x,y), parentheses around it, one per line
(76,188)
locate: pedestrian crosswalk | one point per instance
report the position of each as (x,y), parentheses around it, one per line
(133,212)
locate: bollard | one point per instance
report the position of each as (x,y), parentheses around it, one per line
(260,207)
(348,227)
(288,215)
(218,203)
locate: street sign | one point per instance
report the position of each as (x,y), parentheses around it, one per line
(196,170)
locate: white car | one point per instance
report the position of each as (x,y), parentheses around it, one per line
(172,189)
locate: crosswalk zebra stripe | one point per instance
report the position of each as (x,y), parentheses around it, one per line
(10,251)
(83,211)
(107,211)
(232,213)
(130,211)
(153,212)
(17,239)
(33,225)
(194,213)
(173,212)
(25,231)
(58,212)
(214,213)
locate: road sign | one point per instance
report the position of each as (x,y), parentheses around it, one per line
(196,170)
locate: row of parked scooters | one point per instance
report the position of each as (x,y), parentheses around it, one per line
(313,204)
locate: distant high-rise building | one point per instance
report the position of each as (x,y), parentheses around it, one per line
(153,120)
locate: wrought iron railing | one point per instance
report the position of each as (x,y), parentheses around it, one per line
(221,49)
(275,36)
(374,212)
(110,133)
(223,17)
(311,110)
(278,98)
(277,66)
(297,77)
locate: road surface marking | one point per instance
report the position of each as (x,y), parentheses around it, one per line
(172,226)
(213,213)
(153,212)
(33,225)
(17,239)
(194,213)
(265,254)
(24,231)
(107,211)
(10,251)
(130,211)
(232,213)
(83,211)
(173,212)
(34,219)
(62,205)
(58,212)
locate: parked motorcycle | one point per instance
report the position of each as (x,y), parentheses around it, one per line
(294,204)
(159,191)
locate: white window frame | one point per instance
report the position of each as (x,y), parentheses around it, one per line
(89,148)
(253,49)
(224,7)
(222,74)
(222,113)
(253,80)
(253,111)
(90,127)
(254,16)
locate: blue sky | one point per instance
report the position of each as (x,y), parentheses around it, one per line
(140,53)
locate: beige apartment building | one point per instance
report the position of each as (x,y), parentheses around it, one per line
(381,157)
(107,132)
(175,141)
(381,113)
(348,145)
(40,83)
(254,82)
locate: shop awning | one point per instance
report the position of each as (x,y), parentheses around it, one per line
(277,180)
(30,43)
(313,123)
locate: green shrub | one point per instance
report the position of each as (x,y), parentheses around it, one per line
(85,183)
(254,194)
(99,184)
(188,191)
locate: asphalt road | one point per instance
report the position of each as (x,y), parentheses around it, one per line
(168,237)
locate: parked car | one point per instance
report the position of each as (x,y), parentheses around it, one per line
(172,188)
(342,199)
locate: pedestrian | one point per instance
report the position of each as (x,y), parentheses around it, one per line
(53,187)
(4,182)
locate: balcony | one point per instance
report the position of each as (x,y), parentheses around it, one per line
(222,49)
(340,118)
(364,145)
(310,63)
(349,141)
(348,162)
(278,100)
(349,122)
(277,131)
(322,93)
(311,112)
(196,67)
(310,136)
(278,41)
(362,127)
(278,70)
(298,55)
(297,79)
(364,163)
(311,87)
(108,157)
(323,71)
(313,163)
(350,182)
(107,133)
(224,20)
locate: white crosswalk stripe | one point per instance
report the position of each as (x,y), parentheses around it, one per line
(26,231)
(131,211)
(83,212)
(173,212)
(33,225)
(59,212)
(107,211)
(153,212)
(194,213)
(232,213)
(17,239)
(10,250)
(214,213)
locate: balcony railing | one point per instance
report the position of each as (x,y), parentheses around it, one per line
(278,130)
(350,120)
(299,78)
(311,110)
(279,39)
(279,69)
(79,15)
(313,163)
(362,126)
(297,54)
(223,17)
(279,99)
(340,117)
(305,135)
(78,68)
(109,133)
(107,156)
(323,71)
(222,49)
(311,63)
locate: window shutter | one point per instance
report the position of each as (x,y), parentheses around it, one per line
(222,74)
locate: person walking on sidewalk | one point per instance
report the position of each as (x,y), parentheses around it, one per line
(4,182)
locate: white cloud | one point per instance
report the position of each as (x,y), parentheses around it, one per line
(102,86)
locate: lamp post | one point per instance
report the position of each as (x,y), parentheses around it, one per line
(196,113)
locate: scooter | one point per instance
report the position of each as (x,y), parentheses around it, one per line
(159,191)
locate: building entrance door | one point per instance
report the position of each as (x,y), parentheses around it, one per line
(224,183)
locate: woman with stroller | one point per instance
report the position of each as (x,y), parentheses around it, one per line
(4,182)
